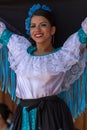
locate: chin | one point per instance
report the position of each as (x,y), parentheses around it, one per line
(39,42)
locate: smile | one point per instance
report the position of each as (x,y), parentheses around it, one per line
(38,35)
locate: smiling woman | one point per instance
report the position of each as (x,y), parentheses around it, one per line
(42,32)
(44,71)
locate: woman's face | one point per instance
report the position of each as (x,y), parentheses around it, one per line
(41,30)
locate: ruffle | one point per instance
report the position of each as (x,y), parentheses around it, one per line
(53,63)
(17,50)
(76,96)
(68,59)
(84,25)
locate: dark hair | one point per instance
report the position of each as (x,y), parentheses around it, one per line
(4,111)
(48,15)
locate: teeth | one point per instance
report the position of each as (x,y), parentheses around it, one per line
(38,35)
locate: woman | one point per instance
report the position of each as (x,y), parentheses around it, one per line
(43,71)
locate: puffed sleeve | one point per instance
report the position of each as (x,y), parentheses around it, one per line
(17,45)
(75,80)
(73,54)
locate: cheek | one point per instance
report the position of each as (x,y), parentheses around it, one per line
(31,33)
(48,31)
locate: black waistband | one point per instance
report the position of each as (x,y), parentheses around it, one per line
(40,102)
(31,101)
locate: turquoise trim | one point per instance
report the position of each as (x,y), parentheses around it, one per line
(13,85)
(76,96)
(25,120)
(7,76)
(82,36)
(28,119)
(4,39)
(32,117)
(31,50)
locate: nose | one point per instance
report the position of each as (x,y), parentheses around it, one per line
(38,28)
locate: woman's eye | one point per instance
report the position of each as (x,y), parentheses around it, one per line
(43,24)
(32,26)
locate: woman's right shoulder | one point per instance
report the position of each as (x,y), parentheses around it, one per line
(19,41)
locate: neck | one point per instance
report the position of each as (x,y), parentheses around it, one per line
(44,50)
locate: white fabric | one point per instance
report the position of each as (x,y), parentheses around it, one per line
(46,75)
(84,25)
(2,27)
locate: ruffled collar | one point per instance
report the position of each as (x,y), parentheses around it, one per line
(31,50)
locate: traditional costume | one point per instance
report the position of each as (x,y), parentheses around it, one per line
(40,79)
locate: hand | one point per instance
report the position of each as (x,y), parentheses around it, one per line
(2,27)
(84,25)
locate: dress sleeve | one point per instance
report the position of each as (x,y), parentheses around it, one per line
(17,45)
(13,49)
(73,55)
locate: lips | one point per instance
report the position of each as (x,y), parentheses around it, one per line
(38,35)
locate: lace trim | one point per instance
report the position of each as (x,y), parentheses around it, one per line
(31,50)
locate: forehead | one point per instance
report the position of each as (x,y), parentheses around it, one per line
(36,19)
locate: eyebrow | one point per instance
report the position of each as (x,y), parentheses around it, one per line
(40,23)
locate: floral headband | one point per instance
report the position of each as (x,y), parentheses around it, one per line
(32,10)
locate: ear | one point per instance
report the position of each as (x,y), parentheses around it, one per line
(53,30)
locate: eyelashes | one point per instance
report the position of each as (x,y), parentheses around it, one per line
(32,26)
(43,24)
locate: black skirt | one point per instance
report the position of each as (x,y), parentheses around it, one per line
(47,113)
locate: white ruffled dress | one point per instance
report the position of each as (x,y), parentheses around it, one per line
(45,75)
